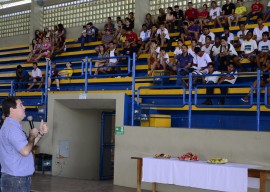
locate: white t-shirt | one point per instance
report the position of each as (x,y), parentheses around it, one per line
(157,50)
(264,46)
(232,81)
(166,56)
(144,35)
(240,35)
(202,61)
(230,38)
(216,50)
(192,53)
(177,51)
(203,36)
(207,49)
(36,73)
(231,49)
(259,32)
(268,4)
(212,78)
(248,46)
(165,31)
(214,13)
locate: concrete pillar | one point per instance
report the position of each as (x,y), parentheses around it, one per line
(36,18)
(142,7)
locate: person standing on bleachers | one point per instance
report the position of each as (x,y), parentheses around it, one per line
(228,10)
(240,11)
(258,31)
(256,10)
(36,76)
(215,14)
(22,77)
(54,77)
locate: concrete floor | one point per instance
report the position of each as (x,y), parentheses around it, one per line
(46,183)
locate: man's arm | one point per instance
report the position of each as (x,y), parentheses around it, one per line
(26,150)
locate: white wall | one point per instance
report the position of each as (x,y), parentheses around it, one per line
(237,146)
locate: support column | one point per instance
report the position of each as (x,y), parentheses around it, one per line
(36,18)
(142,7)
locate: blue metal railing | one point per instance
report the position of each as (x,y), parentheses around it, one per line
(193,91)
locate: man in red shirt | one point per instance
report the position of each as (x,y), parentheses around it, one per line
(132,37)
(191,13)
(256,10)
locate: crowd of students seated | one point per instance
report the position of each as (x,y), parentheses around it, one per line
(206,47)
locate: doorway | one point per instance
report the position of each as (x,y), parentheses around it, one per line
(107,145)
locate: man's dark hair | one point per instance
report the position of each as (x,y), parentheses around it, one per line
(35,63)
(197,50)
(176,6)
(265,33)
(259,18)
(162,49)
(190,3)
(250,33)
(154,25)
(90,23)
(144,25)
(224,38)
(205,27)
(208,37)
(9,102)
(212,64)
(226,28)
(184,45)
(110,18)
(19,66)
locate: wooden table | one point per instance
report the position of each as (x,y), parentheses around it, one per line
(262,174)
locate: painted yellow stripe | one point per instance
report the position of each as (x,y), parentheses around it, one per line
(14,52)
(194,108)
(14,47)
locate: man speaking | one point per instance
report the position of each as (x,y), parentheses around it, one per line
(16,156)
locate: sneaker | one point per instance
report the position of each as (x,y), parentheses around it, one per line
(244,99)
(221,102)
(207,102)
(49,89)
(58,89)
(118,77)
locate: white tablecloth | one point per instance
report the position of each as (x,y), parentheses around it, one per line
(229,177)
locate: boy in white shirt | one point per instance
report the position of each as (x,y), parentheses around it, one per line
(210,80)
(163,35)
(228,53)
(162,61)
(206,32)
(36,76)
(241,35)
(229,36)
(208,46)
(249,48)
(258,31)
(144,35)
(229,79)
(200,61)
(214,53)
(264,50)
(215,13)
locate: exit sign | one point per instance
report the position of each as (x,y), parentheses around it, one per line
(119,131)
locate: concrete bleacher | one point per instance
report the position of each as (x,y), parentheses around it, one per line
(11,56)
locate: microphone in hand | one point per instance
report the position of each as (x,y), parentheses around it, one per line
(30,120)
